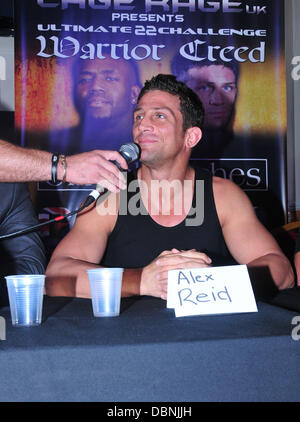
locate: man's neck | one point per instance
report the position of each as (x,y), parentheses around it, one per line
(147,173)
(167,197)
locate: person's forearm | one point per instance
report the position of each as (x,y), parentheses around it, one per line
(68,277)
(279,269)
(131,282)
(19,164)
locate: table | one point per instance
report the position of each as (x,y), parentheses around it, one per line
(148,355)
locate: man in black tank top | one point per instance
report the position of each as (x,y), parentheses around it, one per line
(171,216)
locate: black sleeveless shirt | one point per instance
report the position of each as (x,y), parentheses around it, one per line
(137,240)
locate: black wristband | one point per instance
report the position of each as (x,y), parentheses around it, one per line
(55,159)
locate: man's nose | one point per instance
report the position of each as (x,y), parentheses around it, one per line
(98,84)
(216,97)
(145,124)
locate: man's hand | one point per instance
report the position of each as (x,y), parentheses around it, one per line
(154,278)
(95,167)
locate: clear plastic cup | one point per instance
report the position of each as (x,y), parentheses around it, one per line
(25,293)
(105,284)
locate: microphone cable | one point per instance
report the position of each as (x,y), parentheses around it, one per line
(37,226)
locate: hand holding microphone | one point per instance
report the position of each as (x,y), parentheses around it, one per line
(103,163)
(92,166)
(129,152)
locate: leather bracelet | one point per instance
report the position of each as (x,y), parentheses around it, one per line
(64,166)
(55,159)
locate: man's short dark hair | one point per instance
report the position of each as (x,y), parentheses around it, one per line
(190,105)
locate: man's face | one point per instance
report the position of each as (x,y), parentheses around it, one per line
(157,127)
(216,87)
(103,88)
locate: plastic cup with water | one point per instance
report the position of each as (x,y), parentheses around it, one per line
(106,284)
(25,293)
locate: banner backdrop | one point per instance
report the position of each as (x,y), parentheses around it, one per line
(80,65)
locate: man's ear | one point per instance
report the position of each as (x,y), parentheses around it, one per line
(193,136)
(135,90)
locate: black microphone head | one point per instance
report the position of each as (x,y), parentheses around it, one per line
(130,151)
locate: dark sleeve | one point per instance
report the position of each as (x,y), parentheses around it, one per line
(298,242)
(22,254)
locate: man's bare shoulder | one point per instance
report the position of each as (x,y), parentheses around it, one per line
(224,187)
(108,204)
(231,201)
(101,216)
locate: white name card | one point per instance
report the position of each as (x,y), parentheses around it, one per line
(210,290)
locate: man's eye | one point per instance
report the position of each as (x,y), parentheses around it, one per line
(204,88)
(138,117)
(111,79)
(160,116)
(84,81)
(228,88)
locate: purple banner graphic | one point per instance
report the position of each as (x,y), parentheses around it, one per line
(80,66)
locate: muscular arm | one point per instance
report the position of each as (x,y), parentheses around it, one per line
(81,249)
(247,239)
(19,164)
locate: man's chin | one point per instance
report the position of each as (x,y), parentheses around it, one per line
(97,117)
(148,159)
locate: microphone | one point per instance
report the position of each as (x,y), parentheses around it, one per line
(130,152)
